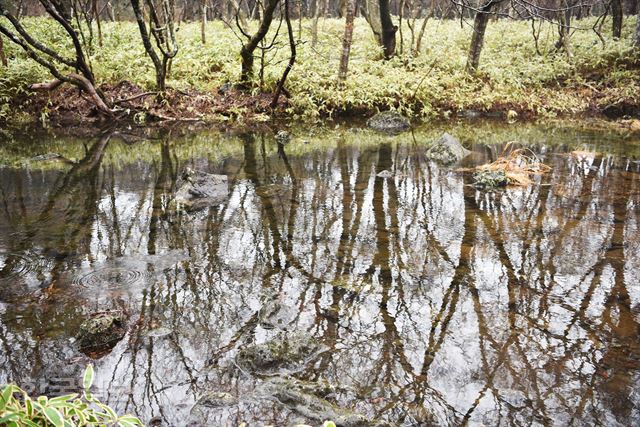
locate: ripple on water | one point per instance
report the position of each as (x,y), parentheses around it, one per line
(112,277)
(21,264)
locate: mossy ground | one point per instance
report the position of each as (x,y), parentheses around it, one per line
(513,76)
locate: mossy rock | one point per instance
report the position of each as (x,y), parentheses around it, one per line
(101,332)
(304,398)
(284,353)
(490,179)
(389,122)
(447,150)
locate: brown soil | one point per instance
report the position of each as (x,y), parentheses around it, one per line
(67,105)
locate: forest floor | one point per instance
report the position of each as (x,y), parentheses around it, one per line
(518,78)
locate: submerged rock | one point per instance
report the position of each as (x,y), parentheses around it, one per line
(490,179)
(217,399)
(158,332)
(272,190)
(275,313)
(301,398)
(447,150)
(197,189)
(101,332)
(384,174)
(389,121)
(284,353)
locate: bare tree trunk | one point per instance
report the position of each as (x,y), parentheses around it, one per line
(616,16)
(246,53)
(299,19)
(96,15)
(314,24)
(203,22)
(400,18)
(477,38)
(163,32)
(3,58)
(292,57)
(638,29)
(564,27)
(418,47)
(388,29)
(346,41)
(371,12)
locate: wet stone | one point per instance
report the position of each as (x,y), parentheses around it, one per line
(490,179)
(274,313)
(197,189)
(447,150)
(158,332)
(272,190)
(384,174)
(300,397)
(100,333)
(217,399)
(389,122)
(284,353)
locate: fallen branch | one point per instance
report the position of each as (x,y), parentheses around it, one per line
(46,86)
(80,81)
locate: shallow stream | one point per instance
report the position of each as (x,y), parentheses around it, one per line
(410,298)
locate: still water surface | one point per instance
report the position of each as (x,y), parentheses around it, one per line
(431,303)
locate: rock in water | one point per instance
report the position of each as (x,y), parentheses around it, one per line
(101,332)
(447,150)
(490,179)
(197,189)
(285,353)
(389,122)
(297,396)
(384,174)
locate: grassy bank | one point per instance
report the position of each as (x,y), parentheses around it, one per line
(512,75)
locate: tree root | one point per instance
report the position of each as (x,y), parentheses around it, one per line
(81,82)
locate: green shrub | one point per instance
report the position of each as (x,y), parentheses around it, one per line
(17,409)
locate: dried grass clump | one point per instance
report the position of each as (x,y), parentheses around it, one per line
(518,164)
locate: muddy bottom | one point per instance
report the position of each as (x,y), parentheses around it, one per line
(345,275)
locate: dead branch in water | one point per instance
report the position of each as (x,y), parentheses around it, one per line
(518,165)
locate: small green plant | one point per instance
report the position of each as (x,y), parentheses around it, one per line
(17,409)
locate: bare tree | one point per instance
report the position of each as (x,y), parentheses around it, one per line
(248,49)
(162,29)
(3,57)
(346,40)
(637,42)
(292,57)
(378,15)
(477,38)
(203,21)
(75,71)
(616,15)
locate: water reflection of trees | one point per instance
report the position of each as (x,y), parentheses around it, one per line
(440,304)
